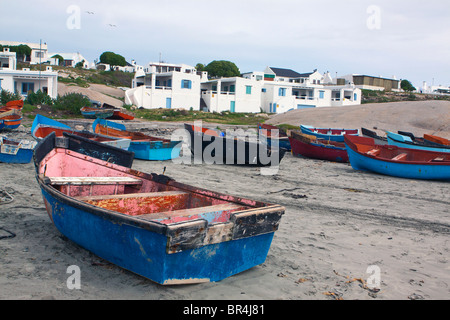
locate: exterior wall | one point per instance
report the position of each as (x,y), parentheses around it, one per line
(7,60)
(12,81)
(245,98)
(153,96)
(39,52)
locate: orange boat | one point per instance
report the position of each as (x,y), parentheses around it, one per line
(436,139)
(10,122)
(16,104)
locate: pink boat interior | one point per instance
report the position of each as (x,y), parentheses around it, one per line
(126,191)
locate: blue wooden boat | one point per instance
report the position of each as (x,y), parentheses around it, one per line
(331,134)
(145,147)
(43,126)
(274,136)
(364,154)
(149,224)
(10,121)
(16,151)
(94,113)
(404,141)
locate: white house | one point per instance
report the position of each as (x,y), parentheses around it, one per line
(23,81)
(70,59)
(163,85)
(39,51)
(234,94)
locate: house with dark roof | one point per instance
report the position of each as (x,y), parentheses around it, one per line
(288,75)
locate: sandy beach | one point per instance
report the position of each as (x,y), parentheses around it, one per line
(339,224)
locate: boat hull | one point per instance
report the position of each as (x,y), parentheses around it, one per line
(222,150)
(95,113)
(144,252)
(417,170)
(328,134)
(23,156)
(318,150)
(405,142)
(155,150)
(129,219)
(10,122)
(144,147)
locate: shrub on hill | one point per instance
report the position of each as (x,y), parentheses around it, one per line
(71,103)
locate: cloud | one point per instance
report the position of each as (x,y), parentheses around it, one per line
(253,33)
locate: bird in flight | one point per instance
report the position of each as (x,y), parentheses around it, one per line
(89,12)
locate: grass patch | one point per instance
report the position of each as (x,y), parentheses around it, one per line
(171,115)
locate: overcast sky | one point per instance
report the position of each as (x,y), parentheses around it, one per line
(408,39)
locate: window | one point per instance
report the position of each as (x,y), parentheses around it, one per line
(0,84)
(355,96)
(248,89)
(27,87)
(39,54)
(282,92)
(186,84)
(321,94)
(263,90)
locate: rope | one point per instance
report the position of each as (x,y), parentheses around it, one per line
(5,197)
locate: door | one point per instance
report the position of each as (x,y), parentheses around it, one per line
(168,103)
(233,106)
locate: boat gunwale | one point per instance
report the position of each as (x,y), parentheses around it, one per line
(353,145)
(151,225)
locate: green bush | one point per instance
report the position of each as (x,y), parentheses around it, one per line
(71,102)
(7,96)
(36,98)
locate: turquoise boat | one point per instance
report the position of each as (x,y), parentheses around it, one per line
(365,155)
(403,141)
(330,134)
(145,147)
(149,224)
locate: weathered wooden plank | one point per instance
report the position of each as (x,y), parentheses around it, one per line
(93,180)
(187,235)
(255,222)
(219,232)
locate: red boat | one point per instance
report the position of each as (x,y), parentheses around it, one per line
(16,104)
(311,147)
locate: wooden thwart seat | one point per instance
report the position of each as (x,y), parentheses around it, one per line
(192,212)
(94,180)
(374,152)
(400,157)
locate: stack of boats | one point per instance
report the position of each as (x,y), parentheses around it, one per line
(398,154)
(11,115)
(13,150)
